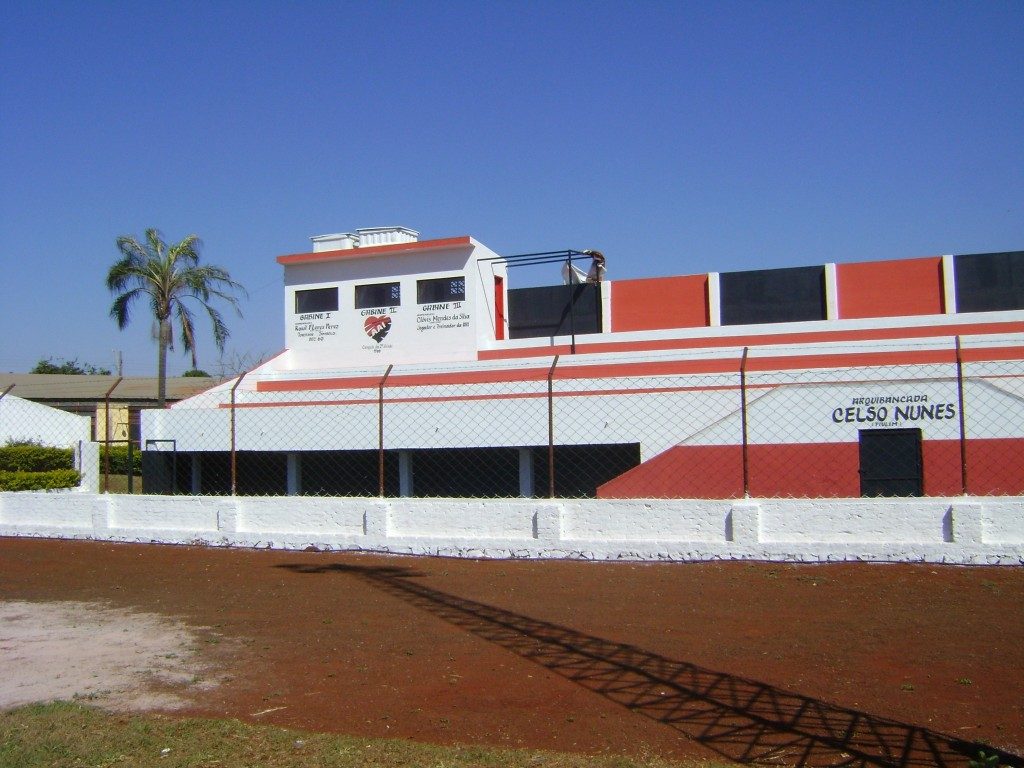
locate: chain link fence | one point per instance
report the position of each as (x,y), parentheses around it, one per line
(565,429)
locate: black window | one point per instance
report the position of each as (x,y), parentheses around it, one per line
(989,282)
(890,462)
(555,310)
(378,295)
(316,300)
(773,295)
(441,289)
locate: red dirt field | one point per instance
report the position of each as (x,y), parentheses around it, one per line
(841,664)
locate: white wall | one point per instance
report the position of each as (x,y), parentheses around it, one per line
(592,405)
(437,332)
(22,419)
(965,530)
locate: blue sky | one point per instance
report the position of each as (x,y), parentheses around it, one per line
(676,137)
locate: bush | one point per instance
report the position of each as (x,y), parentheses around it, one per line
(32,457)
(119,460)
(38,481)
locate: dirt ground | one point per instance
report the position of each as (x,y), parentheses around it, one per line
(841,664)
(115,658)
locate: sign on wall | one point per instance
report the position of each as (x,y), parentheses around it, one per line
(316,326)
(893,410)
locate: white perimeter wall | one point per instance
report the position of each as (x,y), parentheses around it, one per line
(964,530)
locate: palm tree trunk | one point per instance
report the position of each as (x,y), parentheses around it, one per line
(161,364)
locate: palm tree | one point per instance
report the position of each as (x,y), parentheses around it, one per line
(168,275)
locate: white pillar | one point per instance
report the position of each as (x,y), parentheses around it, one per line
(89,466)
(526,473)
(197,473)
(831,293)
(294,474)
(405,474)
(606,306)
(714,300)
(948,285)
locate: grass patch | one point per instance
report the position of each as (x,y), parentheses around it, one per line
(65,735)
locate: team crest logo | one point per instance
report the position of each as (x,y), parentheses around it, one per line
(377,327)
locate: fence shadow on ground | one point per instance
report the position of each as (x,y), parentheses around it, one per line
(741,719)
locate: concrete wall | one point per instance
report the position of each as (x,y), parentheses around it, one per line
(22,419)
(964,530)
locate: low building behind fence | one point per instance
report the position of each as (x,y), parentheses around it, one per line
(558,428)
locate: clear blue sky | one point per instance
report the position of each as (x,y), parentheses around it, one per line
(677,137)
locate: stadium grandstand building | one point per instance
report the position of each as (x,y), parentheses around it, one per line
(416,368)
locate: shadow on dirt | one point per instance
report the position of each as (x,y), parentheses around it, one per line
(743,720)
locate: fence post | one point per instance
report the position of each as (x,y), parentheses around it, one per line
(570,287)
(743,421)
(106,435)
(380,430)
(234,457)
(6,391)
(963,428)
(551,429)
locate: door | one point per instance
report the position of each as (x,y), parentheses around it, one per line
(890,462)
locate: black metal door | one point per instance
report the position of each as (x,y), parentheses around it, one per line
(890,462)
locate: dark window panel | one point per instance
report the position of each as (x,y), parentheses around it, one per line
(316,300)
(440,290)
(581,469)
(791,295)
(989,282)
(378,295)
(549,311)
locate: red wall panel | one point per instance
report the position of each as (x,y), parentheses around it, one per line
(941,467)
(812,470)
(815,470)
(890,288)
(682,472)
(658,303)
(995,467)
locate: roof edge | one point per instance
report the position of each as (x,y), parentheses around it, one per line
(464,241)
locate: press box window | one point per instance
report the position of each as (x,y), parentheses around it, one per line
(440,290)
(378,295)
(316,300)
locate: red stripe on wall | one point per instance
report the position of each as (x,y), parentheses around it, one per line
(654,368)
(804,337)
(995,467)
(813,470)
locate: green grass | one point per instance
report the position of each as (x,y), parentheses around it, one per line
(63,735)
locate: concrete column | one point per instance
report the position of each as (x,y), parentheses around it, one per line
(743,523)
(965,525)
(294,474)
(948,285)
(89,466)
(197,474)
(714,300)
(405,474)
(831,293)
(606,306)
(526,473)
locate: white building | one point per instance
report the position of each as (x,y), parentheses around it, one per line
(415,367)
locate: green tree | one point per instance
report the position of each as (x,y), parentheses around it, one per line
(166,277)
(68,367)
(196,373)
